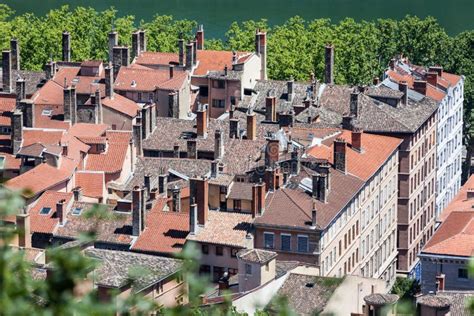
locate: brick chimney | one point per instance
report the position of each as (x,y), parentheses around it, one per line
(194,52)
(135,44)
(20,89)
(432,78)
(329,64)
(403,87)
(163,183)
(218,144)
(138,212)
(251,125)
(258,199)
(193,214)
(23,227)
(147,184)
(200,37)
(15,50)
(176,198)
(50,69)
(191,149)
(176,150)
(77,192)
(142,41)
(66,45)
(270,108)
(70,104)
(120,57)
(17,130)
(61,211)
(171,68)
(7,71)
(28,108)
(109,81)
(437,69)
(201,121)
(181,52)
(272,152)
(290,90)
(356,140)
(138,138)
(261,50)
(314,215)
(98,105)
(173,108)
(113,41)
(420,86)
(354,104)
(340,154)
(234,127)
(200,192)
(320,187)
(189,56)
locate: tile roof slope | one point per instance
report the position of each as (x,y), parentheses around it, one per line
(115,268)
(47,223)
(45,137)
(212,60)
(134,79)
(52,93)
(224,228)
(88,130)
(292,206)
(240,191)
(113,159)
(308,300)
(7,106)
(33,79)
(83,84)
(377,150)
(431,91)
(165,231)
(256,255)
(454,237)
(460,202)
(157,58)
(458,301)
(122,105)
(92,183)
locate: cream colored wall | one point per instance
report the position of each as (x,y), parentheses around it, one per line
(251,74)
(121,121)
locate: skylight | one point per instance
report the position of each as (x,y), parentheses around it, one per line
(45,210)
(77,211)
(47,112)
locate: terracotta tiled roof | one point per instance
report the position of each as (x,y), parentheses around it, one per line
(88,130)
(460,202)
(113,159)
(121,104)
(431,91)
(32,136)
(47,223)
(7,106)
(157,58)
(92,183)
(84,84)
(132,79)
(256,255)
(53,121)
(213,60)
(241,191)
(165,232)
(454,237)
(52,93)
(225,228)
(11,162)
(376,151)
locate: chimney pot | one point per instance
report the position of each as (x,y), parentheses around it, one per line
(270,108)
(251,126)
(200,193)
(60,211)
(329,65)
(66,41)
(432,78)
(200,37)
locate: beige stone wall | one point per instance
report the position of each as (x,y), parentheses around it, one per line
(116,119)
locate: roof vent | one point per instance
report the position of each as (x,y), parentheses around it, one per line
(134,83)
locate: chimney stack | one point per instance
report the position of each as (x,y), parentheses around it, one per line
(135,44)
(142,41)
(313,215)
(138,212)
(176,197)
(50,70)
(189,56)
(329,65)
(258,199)
(290,90)
(7,71)
(176,150)
(437,69)
(163,183)
(15,51)
(340,154)
(234,127)
(251,125)
(17,130)
(200,193)
(181,52)
(201,119)
(113,41)
(60,211)
(145,121)
(320,187)
(432,78)
(420,86)
(403,87)
(20,90)
(200,37)
(24,229)
(218,144)
(295,162)
(147,184)
(138,138)
(261,50)
(28,108)
(171,68)
(77,191)
(70,104)
(109,81)
(193,214)
(191,149)
(354,104)
(214,169)
(270,108)
(173,109)
(194,52)
(120,57)
(356,140)
(98,105)
(272,152)
(66,41)
(391,64)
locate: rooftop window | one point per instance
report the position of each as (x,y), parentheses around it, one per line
(47,112)
(45,210)
(77,211)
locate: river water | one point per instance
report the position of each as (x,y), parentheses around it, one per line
(216,15)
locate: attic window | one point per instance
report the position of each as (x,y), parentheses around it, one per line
(77,211)
(47,112)
(134,83)
(45,210)
(310,285)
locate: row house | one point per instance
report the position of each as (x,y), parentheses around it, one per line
(337,208)
(447,90)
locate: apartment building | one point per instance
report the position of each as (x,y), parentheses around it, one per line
(339,210)
(447,90)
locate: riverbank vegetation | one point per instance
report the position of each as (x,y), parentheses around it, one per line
(295,48)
